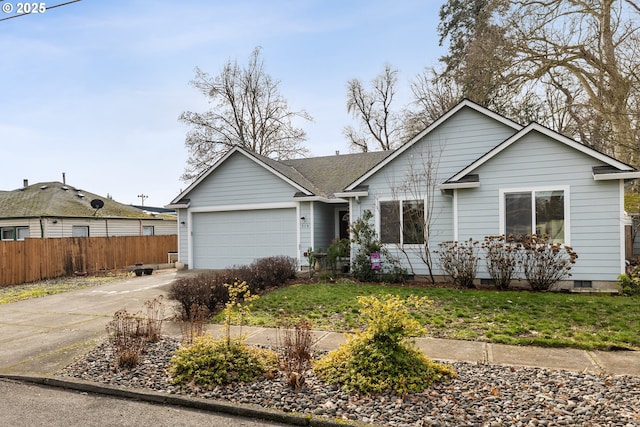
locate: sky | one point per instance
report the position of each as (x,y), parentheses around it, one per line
(93,89)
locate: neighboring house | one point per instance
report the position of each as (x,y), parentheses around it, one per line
(54,209)
(472,173)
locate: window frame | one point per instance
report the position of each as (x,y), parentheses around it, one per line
(401,230)
(77,227)
(146,228)
(533,190)
(14,232)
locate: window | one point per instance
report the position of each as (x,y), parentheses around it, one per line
(14,233)
(402,222)
(80,231)
(8,233)
(22,233)
(147,230)
(535,212)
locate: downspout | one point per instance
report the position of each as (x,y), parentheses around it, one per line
(41,229)
(106,226)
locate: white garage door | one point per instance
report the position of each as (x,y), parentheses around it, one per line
(225,239)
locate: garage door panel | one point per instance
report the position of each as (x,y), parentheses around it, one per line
(224,239)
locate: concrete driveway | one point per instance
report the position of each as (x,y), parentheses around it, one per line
(41,336)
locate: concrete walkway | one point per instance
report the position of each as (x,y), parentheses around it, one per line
(39,337)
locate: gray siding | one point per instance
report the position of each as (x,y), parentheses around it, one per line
(239,180)
(183,236)
(465,137)
(537,161)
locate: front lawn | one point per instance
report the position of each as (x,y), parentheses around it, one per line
(511,317)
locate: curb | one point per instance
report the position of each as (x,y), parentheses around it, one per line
(210,405)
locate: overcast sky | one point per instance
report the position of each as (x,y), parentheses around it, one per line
(94,88)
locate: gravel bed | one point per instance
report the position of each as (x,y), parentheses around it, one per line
(481,395)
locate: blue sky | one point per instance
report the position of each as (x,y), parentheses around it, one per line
(94,89)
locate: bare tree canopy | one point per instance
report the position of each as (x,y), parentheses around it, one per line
(380,127)
(248,111)
(570,64)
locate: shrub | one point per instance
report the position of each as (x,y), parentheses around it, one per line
(545,263)
(205,289)
(209,362)
(503,258)
(272,271)
(367,242)
(127,337)
(460,261)
(192,324)
(630,282)
(295,351)
(154,319)
(380,358)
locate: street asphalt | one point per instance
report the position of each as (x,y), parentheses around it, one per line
(41,336)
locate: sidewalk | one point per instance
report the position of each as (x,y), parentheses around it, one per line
(443,350)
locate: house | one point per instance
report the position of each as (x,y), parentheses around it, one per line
(55,209)
(470,174)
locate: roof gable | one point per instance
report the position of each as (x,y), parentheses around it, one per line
(461,177)
(465,103)
(314,177)
(60,200)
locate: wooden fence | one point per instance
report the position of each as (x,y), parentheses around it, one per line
(39,259)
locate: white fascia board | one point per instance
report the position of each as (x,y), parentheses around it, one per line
(429,129)
(319,199)
(178,206)
(247,207)
(348,194)
(616,175)
(455,185)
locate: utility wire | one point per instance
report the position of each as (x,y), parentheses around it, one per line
(47,8)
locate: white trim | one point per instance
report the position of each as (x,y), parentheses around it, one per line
(351,194)
(622,223)
(455,216)
(549,133)
(614,176)
(567,206)
(312,234)
(298,235)
(190,239)
(378,218)
(464,103)
(455,185)
(246,207)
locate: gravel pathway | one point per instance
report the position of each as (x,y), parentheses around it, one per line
(481,395)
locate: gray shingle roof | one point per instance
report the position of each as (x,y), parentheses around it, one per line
(324,176)
(57,199)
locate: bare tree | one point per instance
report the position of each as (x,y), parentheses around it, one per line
(592,45)
(380,127)
(248,111)
(414,207)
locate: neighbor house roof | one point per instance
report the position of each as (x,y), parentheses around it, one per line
(46,199)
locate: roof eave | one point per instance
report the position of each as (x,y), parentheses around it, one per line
(616,176)
(457,185)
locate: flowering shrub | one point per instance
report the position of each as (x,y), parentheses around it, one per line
(460,261)
(545,263)
(503,258)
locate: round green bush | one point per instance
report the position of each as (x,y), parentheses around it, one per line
(209,362)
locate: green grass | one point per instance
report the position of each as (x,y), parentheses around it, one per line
(512,317)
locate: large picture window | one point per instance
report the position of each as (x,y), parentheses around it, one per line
(402,222)
(535,212)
